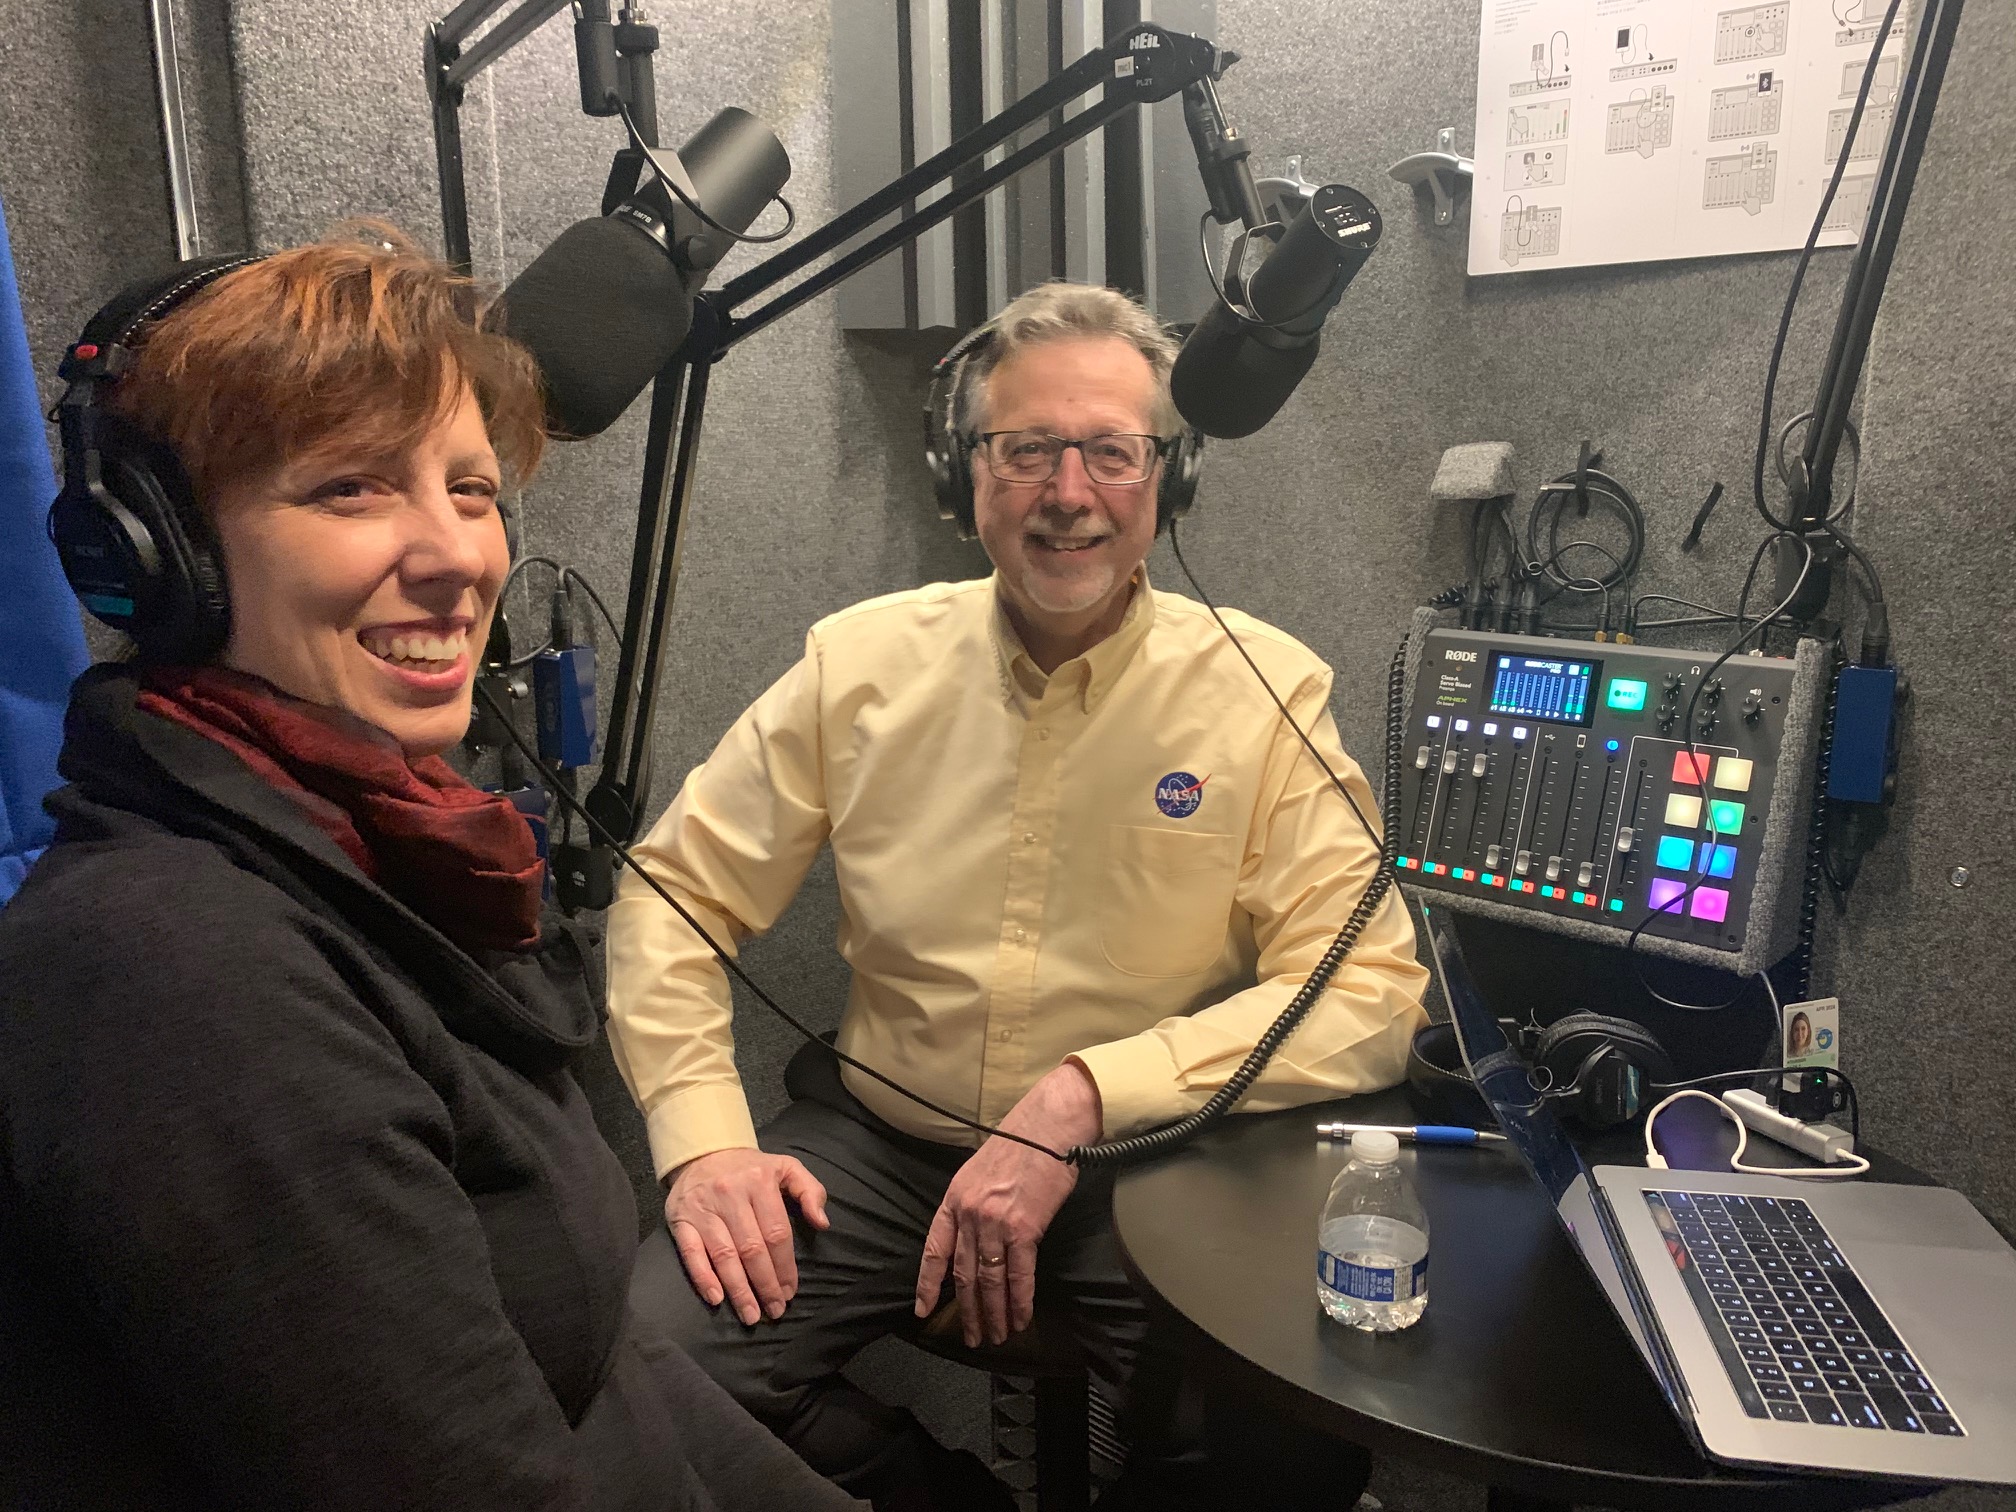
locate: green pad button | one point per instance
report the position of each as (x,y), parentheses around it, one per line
(1626,693)
(1725,818)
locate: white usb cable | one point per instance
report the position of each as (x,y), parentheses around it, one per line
(1657,1162)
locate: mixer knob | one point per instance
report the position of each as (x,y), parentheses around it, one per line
(1672,684)
(1711,691)
(1753,706)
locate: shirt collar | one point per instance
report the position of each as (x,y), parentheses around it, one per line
(1099,668)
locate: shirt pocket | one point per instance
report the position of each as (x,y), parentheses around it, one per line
(1168,899)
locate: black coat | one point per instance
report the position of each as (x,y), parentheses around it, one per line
(299,1202)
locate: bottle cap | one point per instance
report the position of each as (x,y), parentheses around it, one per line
(1375,1147)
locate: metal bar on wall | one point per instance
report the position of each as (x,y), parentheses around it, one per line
(174,136)
(995,66)
(931,134)
(1083,28)
(1173,283)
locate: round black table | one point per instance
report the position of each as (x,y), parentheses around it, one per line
(1519,1376)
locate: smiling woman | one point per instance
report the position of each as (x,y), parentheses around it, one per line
(346,429)
(300,1204)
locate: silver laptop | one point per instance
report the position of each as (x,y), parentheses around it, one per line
(1840,1325)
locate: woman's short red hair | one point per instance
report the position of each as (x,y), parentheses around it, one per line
(359,334)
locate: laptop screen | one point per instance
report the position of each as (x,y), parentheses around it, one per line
(1530,1126)
(1534,1130)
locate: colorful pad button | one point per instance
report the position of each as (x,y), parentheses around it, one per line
(1732,774)
(1690,768)
(1616,905)
(1725,818)
(1722,863)
(1675,853)
(1664,891)
(1683,810)
(1710,903)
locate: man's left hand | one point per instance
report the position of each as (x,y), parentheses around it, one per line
(999,1205)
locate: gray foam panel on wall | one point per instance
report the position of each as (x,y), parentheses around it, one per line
(1924,967)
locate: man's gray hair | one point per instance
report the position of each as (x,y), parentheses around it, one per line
(1062,311)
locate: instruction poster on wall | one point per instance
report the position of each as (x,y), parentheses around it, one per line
(1614,131)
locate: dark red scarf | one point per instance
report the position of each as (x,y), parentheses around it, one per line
(461,858)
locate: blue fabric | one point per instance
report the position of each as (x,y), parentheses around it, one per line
(39,627)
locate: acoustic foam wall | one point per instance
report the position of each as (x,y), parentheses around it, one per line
(810,496)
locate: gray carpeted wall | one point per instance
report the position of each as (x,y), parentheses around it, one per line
(811,497)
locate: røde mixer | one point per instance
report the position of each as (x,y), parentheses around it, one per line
(1554,778)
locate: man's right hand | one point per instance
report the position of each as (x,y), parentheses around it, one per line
(727,1216)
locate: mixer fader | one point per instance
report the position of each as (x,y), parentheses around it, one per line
(1556,777)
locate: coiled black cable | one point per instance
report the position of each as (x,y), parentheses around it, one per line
(1574,486)
(1816,840)
(1155,1141)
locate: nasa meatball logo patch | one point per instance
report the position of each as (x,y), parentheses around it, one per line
(1178,794)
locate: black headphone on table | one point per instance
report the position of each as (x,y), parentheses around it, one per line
(948,451)
(133,544)
(1602,1071)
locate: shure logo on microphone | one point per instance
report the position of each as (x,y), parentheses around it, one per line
(1469,656)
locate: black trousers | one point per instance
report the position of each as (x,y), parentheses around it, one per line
(857,1283)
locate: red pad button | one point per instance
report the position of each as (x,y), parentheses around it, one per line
(1690,768)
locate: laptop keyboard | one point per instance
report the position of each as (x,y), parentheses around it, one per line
(1801,1338)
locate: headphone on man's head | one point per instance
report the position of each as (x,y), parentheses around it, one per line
(948,451)
(1603,1071)
(126,526)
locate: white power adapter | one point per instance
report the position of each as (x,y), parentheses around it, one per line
(1823,1142)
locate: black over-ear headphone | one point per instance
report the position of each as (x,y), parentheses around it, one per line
(126,527)
(948,450)
(1603,1071)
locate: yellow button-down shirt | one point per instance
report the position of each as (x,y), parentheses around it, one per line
(1130,861)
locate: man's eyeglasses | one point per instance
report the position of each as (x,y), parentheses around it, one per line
(1028,456)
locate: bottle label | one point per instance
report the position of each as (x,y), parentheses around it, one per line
(1372,1283)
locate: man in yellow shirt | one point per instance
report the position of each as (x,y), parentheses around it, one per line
(1083,864)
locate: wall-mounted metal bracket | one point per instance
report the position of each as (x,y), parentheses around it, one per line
(1446,174)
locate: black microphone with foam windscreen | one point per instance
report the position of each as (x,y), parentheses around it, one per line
(610,302)
(1238,367)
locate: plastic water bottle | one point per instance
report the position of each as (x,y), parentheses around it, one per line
(1372,1241)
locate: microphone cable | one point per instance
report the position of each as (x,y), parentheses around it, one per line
(1112,1152)
(1235,268)
(608,837)
(671,184)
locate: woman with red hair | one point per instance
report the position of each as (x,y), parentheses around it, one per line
(300,1203)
